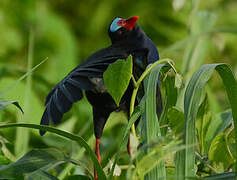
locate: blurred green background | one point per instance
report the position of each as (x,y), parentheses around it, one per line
(191,32)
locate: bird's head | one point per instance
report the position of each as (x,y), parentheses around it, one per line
(121,29)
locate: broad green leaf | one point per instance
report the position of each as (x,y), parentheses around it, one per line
(219,123)
(117,78)
(176,120)
(219,151)
(4,103)
(202,124)
(40,175)
(70,136)
(32,161)
(191,105)
(169,100)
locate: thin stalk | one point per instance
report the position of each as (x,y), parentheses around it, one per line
(134,82)
(2,94)
(21,145)
(139,81)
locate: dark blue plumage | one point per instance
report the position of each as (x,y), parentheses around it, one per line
(127,39)
(69,90)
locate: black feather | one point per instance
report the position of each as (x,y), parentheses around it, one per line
(55,114)
(62,101)
(76,93)
(69,90)
(44,121)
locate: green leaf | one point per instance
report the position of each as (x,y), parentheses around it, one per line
(202,124)
(117,78)
(4,160)
(155,156)
(191,105)
(4,103)
(219,151)
(136,114)
(31,161)
(152,130)
(70,136)
(169,100)
(176,120)
(218,124)
(79,154)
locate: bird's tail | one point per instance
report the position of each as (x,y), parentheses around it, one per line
(61,98)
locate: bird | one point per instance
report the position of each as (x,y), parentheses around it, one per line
(127,38)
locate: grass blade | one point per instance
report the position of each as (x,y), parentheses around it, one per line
(4,103)
(169,101)
(150,120)
(136,114)
(70,136)
(191,105)
(21,144)
(2,94)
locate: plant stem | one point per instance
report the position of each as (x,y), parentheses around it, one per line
(137,84)
(132,104)
(134,81)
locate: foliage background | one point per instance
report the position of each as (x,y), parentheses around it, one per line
(68,31)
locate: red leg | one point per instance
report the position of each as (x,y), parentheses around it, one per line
(128,146)
(97,153)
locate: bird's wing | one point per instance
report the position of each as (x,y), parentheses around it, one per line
(69,90)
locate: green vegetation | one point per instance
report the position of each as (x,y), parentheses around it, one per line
(195,137)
